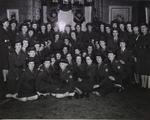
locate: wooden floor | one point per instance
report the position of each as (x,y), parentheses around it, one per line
(131,104)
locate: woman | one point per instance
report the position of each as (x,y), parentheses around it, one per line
(143,57)
(27,90)
(17,62)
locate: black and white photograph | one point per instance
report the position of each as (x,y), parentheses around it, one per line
(75,59)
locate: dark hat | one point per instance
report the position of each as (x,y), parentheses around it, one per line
(68,25)
(4,20)
(89,24)
(43,24)
(30,29)
(107,25)
(129,22)
(27,20)
(36,42)
(54,11)
(144,24)
(135,25)
(13,21)
(111,51)
(63,61)
(30,59)
(122,40)
(98,54)
(31,49)
(122,22)
(102,23)
(52,56)
(18,41)
(47,59)
(34,22)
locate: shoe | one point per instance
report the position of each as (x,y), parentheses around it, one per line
(9,95)
(43,94)
(23,99)
(35,97)
(71,94)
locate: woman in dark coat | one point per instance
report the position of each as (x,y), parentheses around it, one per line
(126,58)
(26,88)
(44,82)
(112,76)
(4,48)
(89,75)
(65,80)
(17,61)
(79,76)
(23,35)
(13,32)
(143,57)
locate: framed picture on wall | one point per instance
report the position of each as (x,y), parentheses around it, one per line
(120,13)
(13,14)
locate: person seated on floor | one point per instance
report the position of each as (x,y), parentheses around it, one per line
(66,81)
(79,77)
(101,70)
(89,76)
(43,81)
(17,62)
(26,87)
(113,76)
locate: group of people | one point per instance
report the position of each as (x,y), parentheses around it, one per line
(40,60)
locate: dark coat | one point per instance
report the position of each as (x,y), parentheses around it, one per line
(113,45)
(90,77)
(17,65)
(27,86)
(13,35)
(143,57)
(66,80)
(101,73)
(44,82)
(21,36)
(4,50)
